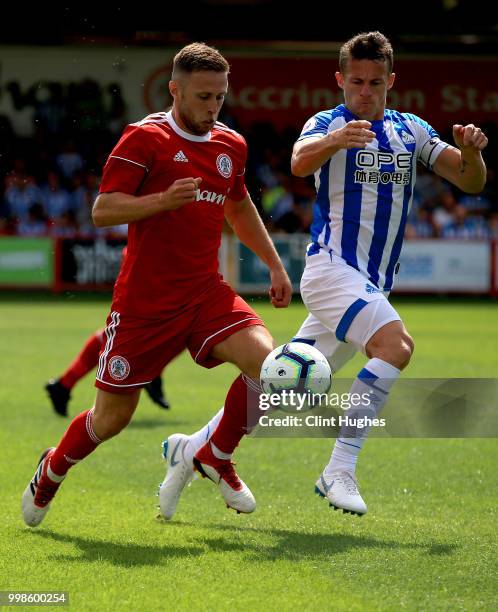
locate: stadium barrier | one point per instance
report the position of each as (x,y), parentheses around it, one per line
(72,264)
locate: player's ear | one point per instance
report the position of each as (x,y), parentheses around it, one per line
(340,79)
(173,88)
(390,80)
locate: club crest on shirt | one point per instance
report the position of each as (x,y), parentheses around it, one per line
(309,125)
(119,368)
(224,165)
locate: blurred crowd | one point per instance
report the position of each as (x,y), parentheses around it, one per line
(51,179)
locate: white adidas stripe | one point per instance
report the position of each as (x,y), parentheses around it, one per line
(110,332)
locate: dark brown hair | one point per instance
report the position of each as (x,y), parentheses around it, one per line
(367,45)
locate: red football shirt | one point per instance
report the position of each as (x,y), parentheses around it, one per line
(172,257)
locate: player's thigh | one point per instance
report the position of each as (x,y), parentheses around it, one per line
(327,288)
(371,321)
(246,348)
(137,349)
(344,301)
(314,332)
(228,329)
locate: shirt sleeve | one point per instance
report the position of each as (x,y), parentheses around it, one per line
(429,146)
(239,189)
(317,125)
(129,162)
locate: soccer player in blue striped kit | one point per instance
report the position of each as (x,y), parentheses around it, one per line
(364,158)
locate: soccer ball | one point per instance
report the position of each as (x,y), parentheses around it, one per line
(298,367)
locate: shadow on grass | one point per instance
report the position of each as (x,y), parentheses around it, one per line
(146,423)
(296,545)
(119,554)
(282,544)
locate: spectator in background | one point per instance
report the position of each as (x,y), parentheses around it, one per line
(421,225)
(277,199)
(69,161)
(443,213)
(428,191)
(463,226)
(35,223)
(21,192)
(475,204)
(56,200)
(85,189)
(64,226)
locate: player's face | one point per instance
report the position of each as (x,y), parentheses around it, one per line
(198,98)
(365,84)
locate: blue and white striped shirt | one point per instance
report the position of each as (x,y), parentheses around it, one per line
(364,195)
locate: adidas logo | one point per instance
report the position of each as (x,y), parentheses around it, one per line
(180,157)
(407,138)
(371,289)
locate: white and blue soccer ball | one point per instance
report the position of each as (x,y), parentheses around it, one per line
(298,367)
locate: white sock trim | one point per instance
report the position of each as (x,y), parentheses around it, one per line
(220,454)
(89,427)
(53,476)
(252,383)
(382,368)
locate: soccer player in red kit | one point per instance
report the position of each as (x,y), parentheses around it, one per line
(59,389)
(174,177)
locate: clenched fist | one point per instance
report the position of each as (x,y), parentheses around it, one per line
(354,135)
(469,137)
(179,193)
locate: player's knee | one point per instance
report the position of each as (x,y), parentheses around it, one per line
(405,350)
(252,367)
(109,423)
(397,349)
(114,425)
(262,347)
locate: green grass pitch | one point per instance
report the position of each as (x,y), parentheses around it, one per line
(427,543)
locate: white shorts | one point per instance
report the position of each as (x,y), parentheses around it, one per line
(345,309)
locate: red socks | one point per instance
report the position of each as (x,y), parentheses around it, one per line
(240,414)
(85,361)
(78,442)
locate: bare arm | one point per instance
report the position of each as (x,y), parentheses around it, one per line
(247,224)
(311,153)
(464,167)
(117,208)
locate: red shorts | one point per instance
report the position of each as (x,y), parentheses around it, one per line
(137,350)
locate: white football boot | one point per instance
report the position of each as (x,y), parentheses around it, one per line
(39,493)
(234,491)
(341,491)
(179,473)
